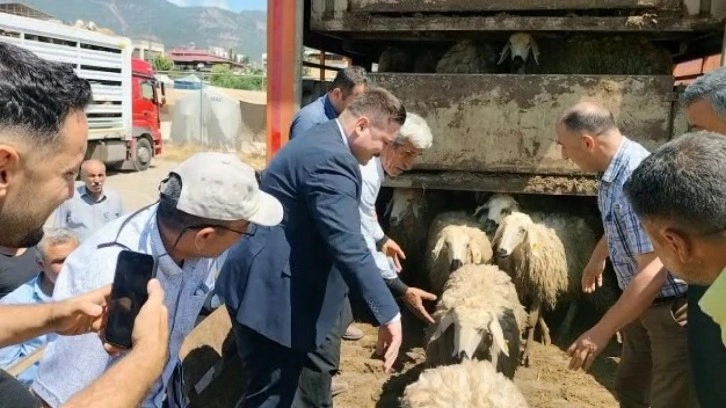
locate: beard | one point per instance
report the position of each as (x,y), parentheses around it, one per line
(21,228)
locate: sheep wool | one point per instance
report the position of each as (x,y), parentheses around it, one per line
(481,303)
(468,57)
(454,240)
(472,384)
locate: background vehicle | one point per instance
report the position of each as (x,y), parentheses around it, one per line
(123,120)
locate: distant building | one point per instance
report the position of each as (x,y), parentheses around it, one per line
(191,59)
(147,50)
(219,52)
(20,9)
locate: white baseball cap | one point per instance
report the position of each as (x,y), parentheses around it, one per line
(219,186)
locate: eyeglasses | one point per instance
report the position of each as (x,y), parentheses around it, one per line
(222,227)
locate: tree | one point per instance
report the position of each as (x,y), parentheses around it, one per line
(162,63)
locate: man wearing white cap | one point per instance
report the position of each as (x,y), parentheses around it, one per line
(205,205)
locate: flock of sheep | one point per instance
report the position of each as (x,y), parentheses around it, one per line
(580,54)
(495,272)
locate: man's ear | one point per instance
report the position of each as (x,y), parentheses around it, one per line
(589,142)
(679,243)
(9,166)
(203,236)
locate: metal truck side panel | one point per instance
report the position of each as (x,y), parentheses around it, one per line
(505,123)
(103,60)
(417,6)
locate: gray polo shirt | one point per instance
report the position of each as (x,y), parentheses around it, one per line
(83,215)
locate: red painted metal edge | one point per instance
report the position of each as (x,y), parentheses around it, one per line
(282,32)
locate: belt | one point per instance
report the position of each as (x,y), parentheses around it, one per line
(666,299)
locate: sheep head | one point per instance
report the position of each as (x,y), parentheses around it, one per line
(457,240)
(403,201)
(519,46)
(472,328)
(511,234)
(490,213)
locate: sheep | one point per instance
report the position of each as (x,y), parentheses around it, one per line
(490,213)
(518,47)
(480,301)
(410,212)
(394,59)
(469,384)
(468,57)
(455,233)
(583,54)
(545,254)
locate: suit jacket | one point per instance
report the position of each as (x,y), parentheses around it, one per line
(288,282)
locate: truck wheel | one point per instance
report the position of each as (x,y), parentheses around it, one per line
(144,153)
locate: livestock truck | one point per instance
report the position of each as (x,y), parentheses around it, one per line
(493,132)
(124,117)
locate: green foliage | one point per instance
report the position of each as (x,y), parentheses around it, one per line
(223,77)
(162,63)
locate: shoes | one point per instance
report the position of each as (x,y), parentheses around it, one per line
(352,334)
(338,386)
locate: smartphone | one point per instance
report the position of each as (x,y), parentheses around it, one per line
(128,295)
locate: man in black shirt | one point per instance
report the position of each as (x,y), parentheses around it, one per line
(17,266)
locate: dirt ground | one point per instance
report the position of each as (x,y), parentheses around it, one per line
(547,383)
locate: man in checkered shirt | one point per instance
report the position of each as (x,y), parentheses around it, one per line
(654,369)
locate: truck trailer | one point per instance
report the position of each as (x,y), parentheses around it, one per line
(493,132)
(124,117)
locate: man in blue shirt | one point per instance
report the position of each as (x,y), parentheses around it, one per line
(347,85)
(205,206)
(92,206)
(654,369)
(52,252)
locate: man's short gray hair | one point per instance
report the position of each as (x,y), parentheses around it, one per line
(684,182)
(416,131)
(710,87)
(53,237)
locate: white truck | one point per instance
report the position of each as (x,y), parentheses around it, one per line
(123,118)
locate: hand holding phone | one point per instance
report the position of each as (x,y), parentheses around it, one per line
(128,294)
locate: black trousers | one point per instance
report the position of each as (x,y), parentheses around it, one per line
(13,394)
(322,364)
(281,377)
(708,354)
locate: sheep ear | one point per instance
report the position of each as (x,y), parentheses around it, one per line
(535,51)
(444,324)
(498,336)
(437,249)
(479,210)
(504,53)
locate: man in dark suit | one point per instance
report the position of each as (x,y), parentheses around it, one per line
(284,287)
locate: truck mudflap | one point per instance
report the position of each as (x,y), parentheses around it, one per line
(505,124)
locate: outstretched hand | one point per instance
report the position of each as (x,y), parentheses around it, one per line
(393,250)
(390,337)
(413,298)
(81,314)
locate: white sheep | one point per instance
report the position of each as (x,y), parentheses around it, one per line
(454,240)
(545,254)
(481,303)
(518,47)
(471,384)
(490,213)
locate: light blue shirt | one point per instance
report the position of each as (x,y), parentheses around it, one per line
(626,237)
(316,112)
(71,363)
(28,293)
(83,215)
(372,175)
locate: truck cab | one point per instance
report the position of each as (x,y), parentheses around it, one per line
(148,96)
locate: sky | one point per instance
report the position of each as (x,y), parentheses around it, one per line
(233,5)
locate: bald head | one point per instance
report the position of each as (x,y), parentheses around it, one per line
(588,135)
(93,174)
(588,118)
